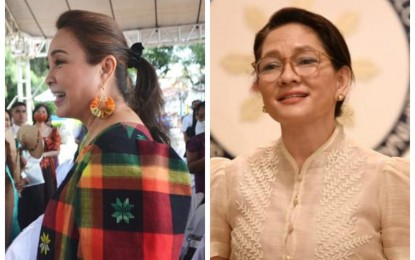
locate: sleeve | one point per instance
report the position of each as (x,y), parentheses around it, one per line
(185,123)
(200,251)
(219,226)
(193,145)
(394,202)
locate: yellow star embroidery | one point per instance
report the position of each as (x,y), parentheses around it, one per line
(44,245)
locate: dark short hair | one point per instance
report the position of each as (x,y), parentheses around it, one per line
(331,38)
(201,104)
(196,101)
(18,104)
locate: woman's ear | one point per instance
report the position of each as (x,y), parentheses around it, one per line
(255,87)
(344,80)
(108,65)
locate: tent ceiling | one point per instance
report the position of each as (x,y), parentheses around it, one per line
(38,19)
(146,18)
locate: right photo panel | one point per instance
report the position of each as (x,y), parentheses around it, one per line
(310,129)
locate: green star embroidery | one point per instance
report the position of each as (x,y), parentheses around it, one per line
(44,246)
(122,210)
(141,137)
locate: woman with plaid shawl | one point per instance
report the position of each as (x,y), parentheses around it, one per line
(128,194)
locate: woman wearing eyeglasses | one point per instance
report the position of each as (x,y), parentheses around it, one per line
(315,193)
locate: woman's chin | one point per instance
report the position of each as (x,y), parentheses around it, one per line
(60,112)
(291,118)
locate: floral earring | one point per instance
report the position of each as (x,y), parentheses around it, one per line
(102,107)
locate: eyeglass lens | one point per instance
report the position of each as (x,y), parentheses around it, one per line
(303,63)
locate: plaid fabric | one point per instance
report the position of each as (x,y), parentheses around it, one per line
(126,197)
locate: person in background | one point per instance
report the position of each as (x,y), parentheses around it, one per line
(195,154)
(314,193)
(12,228)
(52,142)
(35,196)
(19,117)
(127,195)
(189,122)
(8,119)
(195,150)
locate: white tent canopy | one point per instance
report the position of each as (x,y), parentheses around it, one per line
(37,18)
(30,25)
(45,96)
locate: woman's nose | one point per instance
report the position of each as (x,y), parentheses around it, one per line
(288,74)
(49,79)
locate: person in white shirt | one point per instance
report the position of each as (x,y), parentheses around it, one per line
(188,120)
(19,117)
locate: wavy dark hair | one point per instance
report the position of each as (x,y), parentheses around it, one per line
(101,36)
(331,38)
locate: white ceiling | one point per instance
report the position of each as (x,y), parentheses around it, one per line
(37,18)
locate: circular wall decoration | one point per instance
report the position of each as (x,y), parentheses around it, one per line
(377,111)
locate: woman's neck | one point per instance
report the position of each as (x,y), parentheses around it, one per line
(41,125)
(301,141)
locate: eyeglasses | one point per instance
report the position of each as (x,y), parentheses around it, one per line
(303,63)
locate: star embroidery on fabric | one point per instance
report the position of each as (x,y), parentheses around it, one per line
(141,137)
(122,210)
(44,246)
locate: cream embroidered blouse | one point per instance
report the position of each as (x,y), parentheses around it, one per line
(346,203)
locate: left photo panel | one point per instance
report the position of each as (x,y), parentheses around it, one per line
(105,129)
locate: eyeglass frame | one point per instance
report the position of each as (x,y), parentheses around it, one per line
(319,53)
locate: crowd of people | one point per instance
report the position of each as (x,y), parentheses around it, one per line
(31,174)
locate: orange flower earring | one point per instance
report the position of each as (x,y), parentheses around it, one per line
(102,107)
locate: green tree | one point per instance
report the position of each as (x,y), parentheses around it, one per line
(10,76)
(196,57)
(161,58)
(39,70)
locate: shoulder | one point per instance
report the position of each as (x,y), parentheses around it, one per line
(186,122)
(196,141)
(187,118)
(396,167)
(135,140)
(55,131)
(218,164)
(122,137)
(383,164)
(233,168)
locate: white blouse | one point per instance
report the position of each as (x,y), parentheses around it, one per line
(347,202)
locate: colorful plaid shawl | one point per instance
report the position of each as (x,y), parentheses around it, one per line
(126,197)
